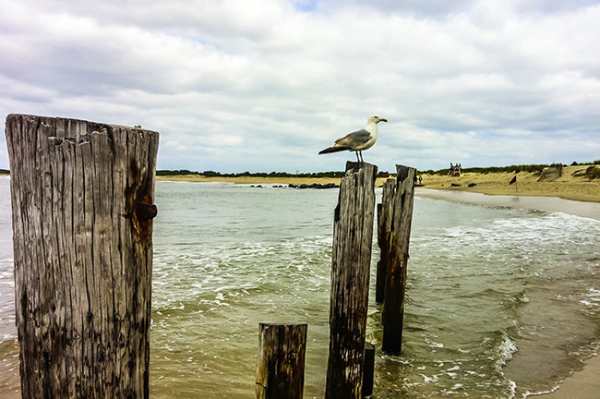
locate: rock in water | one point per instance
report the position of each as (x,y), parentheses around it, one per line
(551,173)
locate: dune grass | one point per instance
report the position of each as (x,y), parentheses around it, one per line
(567,186)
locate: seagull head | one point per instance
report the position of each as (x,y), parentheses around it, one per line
(376,120)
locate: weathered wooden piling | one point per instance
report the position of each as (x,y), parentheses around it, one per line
(82,207)
(280,366)
(351,258)
(384,227)
(368,370)
(399,240)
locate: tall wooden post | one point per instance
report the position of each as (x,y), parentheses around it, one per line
(401,220)
(351,258)
(280,367)
(384,227)
(82,200)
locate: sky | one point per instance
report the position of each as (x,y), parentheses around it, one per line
(257,85)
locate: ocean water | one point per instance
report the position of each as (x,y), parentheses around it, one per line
(501,302)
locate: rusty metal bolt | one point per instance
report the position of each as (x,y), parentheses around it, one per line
(145,211)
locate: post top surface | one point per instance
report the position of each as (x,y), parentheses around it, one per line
(75,120)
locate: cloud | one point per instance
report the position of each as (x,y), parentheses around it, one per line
(264,85)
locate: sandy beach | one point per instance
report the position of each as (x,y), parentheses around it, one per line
(567,186)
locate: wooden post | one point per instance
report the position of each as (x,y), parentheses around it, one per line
(393,306)
(351,258)
(82,201)
(280,368)
(368,370)
(384,227)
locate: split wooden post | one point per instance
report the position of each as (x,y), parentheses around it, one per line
(384,227)
(368,370)
(82,207)
(401,220)
(351,258)
(280,367)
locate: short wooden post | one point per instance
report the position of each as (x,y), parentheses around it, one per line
(384,227)
(82,207)
(393,305)
(351,258)
(280,367)
(368,370)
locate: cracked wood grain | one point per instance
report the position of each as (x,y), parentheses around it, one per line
(280,365)
(399,223)
(384,226)
(82,255)
(351,260)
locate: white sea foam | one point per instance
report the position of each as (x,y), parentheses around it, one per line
(551,228)
(429,380)
(505,351)
(528,394)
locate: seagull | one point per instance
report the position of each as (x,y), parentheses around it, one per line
(357,141)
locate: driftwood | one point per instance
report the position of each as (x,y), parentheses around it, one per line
(280,367)
(82,200)
(401,221)
(351,258)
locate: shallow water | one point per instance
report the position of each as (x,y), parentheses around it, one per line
(500,300)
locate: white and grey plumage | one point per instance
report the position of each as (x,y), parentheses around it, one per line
(357,141)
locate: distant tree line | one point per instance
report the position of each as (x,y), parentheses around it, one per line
(531,168)
(4,171)
(212,173)
(168,172)
(596,162)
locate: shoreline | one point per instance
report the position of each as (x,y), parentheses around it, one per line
(580,384)
(534,203)
(570,185)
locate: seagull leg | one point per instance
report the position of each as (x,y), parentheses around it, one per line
(362,161)
(357,159)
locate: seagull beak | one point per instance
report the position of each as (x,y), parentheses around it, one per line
(382,120)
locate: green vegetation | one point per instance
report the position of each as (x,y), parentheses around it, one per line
(212,173)
(167,172)
(530,168)
(4,172)
(593,172)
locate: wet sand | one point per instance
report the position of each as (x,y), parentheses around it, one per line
(548,204)
(583,384)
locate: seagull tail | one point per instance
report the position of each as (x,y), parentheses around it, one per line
(334,149)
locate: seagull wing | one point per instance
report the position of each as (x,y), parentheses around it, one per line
(353,139)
